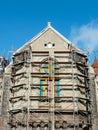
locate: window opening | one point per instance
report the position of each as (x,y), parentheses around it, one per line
(46,82)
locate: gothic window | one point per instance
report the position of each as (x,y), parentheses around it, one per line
(48,80)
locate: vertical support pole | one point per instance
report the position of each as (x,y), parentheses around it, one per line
(52,102)
(52,106)
(28,91)
(51,94)
(73,88)
(74,96)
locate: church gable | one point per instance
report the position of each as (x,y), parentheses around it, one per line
(49,40)
(46,39)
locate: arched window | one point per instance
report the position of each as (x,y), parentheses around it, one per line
(49,71)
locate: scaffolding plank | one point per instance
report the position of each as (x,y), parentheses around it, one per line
(81,54)
(22,73)
(37,97)
(45,52)
(39,62)
(61,52)
(15,64)
(54,85)
(47,74)
(11,98)
(19,85)
(81,64)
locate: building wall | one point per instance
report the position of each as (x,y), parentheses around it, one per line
(49,74)
(96,83)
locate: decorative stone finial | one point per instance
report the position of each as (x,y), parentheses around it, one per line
(49,24)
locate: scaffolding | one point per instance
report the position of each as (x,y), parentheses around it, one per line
(3,63)
(50,91)
(3,97)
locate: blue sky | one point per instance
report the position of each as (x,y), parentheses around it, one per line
(20,20)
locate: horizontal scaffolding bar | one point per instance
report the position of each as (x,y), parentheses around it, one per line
(40,52)
(16,86)
(15,64)
(55,52)
(54,85)
(57,74)
(22,73)
(38,110)
(11,98)
(81,54)
(81,64)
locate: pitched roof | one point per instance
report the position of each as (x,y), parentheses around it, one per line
(41,33)
(95,63)
(95,66)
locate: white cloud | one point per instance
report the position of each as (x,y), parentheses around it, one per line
(86,36)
